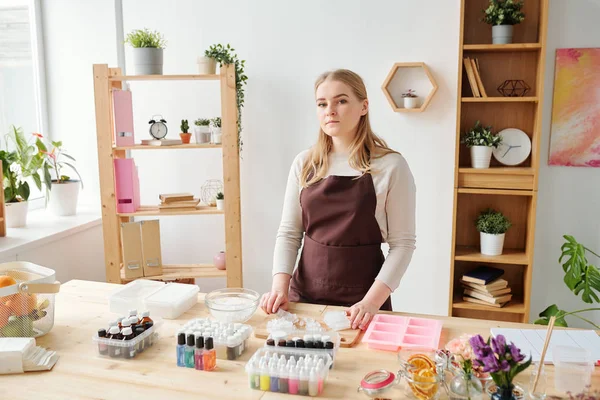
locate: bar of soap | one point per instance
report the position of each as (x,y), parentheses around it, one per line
(336,320)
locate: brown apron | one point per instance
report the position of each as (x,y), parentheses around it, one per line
(342,243)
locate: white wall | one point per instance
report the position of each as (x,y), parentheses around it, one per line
(76,35)
(77,256)
(286,46)
(568,197)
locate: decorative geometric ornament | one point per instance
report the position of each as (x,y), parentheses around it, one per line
(209,191)
(513,88)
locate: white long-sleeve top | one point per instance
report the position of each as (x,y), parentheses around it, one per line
(395,213)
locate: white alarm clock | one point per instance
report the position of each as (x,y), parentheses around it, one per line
(515,147)
(158,128)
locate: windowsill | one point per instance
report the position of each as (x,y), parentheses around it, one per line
(43,227)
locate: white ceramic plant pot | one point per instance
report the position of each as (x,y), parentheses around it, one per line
(16,214)
(216,135)
(502,34)
(202,134)
(481,156)
(411,102)
(206,65)
(147,61)
(221,204)
(491,245)
(63,198)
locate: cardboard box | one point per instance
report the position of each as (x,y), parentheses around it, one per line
(151,254)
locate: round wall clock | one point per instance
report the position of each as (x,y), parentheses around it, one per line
(515,147)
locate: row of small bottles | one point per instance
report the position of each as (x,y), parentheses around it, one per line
(196,352)
(276,374)
(307,341)
(125,329)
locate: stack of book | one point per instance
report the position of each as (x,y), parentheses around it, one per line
(483,285)
(178,201)
(472,70)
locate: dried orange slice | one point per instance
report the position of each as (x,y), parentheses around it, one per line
(421,361)
(424,385)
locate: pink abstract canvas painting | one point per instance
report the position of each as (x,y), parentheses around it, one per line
(575,127)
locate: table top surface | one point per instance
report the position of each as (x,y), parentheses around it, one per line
(80,373)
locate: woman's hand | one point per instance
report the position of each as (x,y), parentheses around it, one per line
(272,301)
(277,298)
(361,313)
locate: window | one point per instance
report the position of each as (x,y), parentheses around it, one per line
(22,75)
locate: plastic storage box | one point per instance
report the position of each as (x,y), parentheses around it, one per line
(287,371)
(127,349)
(573,367)
(166,300)
(172,300)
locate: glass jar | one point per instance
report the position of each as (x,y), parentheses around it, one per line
(465,386)
(511,392)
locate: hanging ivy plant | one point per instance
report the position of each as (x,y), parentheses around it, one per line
(225,55)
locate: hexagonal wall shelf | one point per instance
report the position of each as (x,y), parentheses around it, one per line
(405,76)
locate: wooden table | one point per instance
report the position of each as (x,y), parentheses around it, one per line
(82,308)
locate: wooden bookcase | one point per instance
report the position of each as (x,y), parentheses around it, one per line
(511,190)
(105,80)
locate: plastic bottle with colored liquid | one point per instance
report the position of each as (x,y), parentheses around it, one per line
(198,353)
(313,383)
(320,370)
(253,375)
(114,334)
(264,376)
(181,349)
(293,381)
(274,378)
(303,382)
(102,347)
(190,351)
(283,379)
(128,352)
(209,357)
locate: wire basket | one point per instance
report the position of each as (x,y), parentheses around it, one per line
(26,299)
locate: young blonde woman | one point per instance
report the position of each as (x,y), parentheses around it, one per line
(346,195)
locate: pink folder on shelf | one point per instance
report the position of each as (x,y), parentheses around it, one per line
(123,116)
(127,185)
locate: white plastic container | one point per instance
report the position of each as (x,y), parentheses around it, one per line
(165,300)
(172,300)
(573,367)
(132,296)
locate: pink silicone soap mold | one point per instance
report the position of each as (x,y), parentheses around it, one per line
(393,332)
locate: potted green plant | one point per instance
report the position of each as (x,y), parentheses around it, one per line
(202,130)
(185,135)
(147,51)
(480,140)
(220,201)
(492,226)
(503,15)
(225,55)
(62,192)
(17,166)
(411,100)
(215,124)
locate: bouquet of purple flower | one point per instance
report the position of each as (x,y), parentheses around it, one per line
(501,359)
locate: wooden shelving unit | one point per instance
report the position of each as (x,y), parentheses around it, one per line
(105,80)
(511,190)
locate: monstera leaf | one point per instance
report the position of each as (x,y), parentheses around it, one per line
(552,311)
(580,276)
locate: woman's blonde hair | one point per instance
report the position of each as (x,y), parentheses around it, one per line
(365,145)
